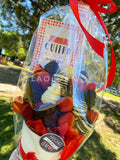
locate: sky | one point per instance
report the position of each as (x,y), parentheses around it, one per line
(27,3)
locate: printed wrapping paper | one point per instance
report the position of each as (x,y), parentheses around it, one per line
(59,85)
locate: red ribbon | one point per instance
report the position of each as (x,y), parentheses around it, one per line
(98,46)
(27,156)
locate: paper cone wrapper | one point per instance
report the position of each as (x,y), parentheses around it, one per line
(44,147)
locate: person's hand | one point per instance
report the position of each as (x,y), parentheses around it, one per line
(14,155)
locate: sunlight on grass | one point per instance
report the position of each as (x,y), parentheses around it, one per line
(109,131)
(112,96)
(8,113)
(6,148)
(7,129)
(111,141)
(12,64)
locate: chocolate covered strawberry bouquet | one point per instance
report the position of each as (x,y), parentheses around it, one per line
(60,86)
(48,106)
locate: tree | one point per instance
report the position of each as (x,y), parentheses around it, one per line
(112,22)
(23,15)
(9,40)
(1,40)
(21,52)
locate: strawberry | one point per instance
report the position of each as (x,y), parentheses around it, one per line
(27,112)
(38,126)
(91,86)
(68,131)
(71,147)
(18,104)
(38,70)
(66,118)
(91,116)
(72,139)
(38,67)
(66,105)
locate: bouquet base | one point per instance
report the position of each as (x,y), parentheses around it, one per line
(30,149)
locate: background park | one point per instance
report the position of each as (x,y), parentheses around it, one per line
(18,21)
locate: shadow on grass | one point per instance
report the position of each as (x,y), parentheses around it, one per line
(9,75)
(112,112)
(6,129)
(94,150)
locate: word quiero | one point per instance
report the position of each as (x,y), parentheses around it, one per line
(57,45)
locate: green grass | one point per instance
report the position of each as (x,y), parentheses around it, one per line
(12,64)
(104,144)
(95,149)
(112,96)
(6,128)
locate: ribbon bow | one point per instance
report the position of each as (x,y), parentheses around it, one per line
(98,46)
(27,156)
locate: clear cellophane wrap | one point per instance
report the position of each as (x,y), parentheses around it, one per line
(59,84)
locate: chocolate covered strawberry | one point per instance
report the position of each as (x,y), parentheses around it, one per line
(38,126)
(91,86)
(66,105)
(38,70)
(90,97)
(91,116)
(27,112)
(18,104)
(52,67)
(66,118)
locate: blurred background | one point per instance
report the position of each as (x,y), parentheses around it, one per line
(18,21)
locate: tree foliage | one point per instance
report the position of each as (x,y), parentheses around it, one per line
(20,53)
(9,40)
(23,15)
(112,21)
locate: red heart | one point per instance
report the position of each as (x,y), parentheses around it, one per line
(49,148)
